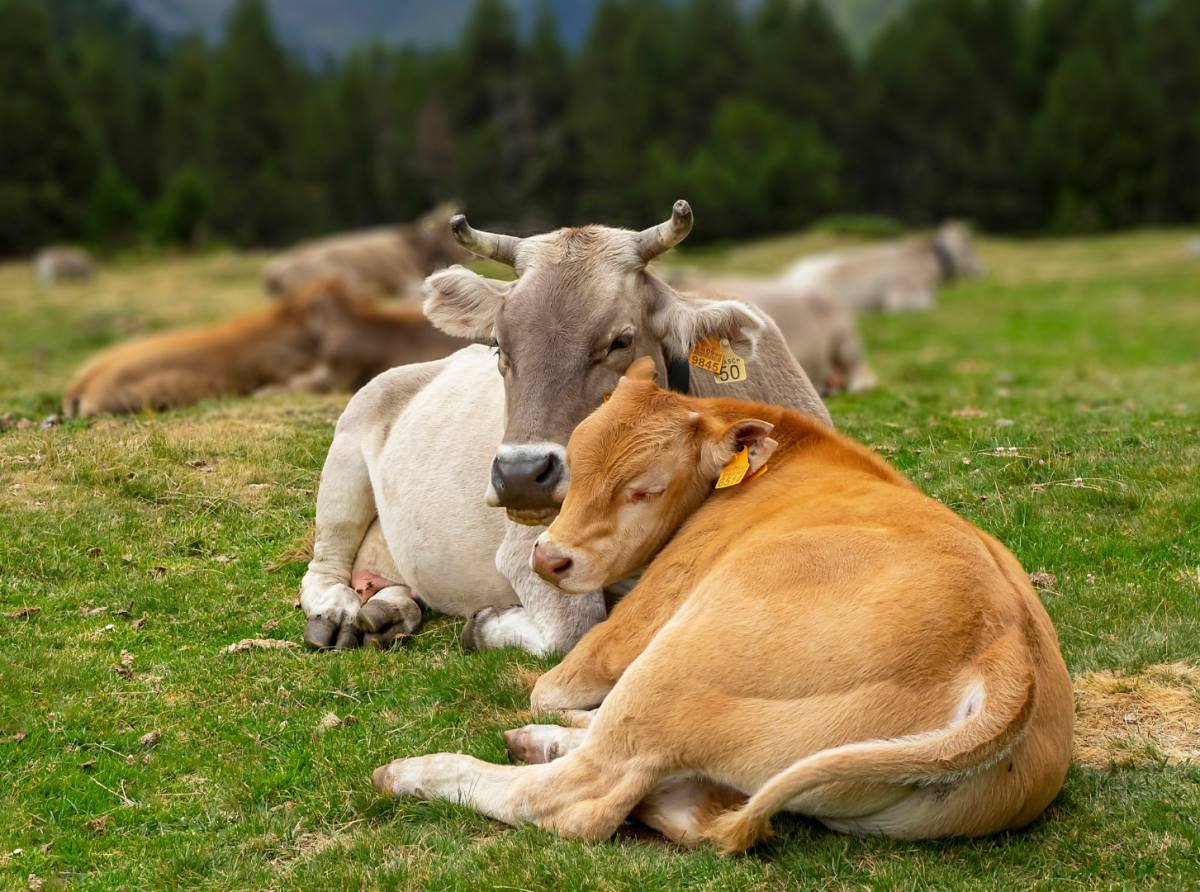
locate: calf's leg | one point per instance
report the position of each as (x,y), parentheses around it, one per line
(584,795)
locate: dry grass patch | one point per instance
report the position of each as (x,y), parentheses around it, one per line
(1137,718)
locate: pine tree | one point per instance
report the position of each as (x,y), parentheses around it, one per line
(1172,55)
(943,124)
(187,111)
(48,163)
(259,120)
(621,104)
(1095,136)
(550,176)
(800,66)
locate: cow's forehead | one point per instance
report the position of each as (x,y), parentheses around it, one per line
(584,280)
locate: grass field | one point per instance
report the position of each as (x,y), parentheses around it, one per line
(142,568)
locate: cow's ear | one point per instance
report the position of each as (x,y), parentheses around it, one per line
(724,443)
(683,320)
(464,304)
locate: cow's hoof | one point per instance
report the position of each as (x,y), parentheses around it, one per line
(470,638)
(384,640)
(381,779)
(378,616)
(521,747)
(319,632)
(347,638)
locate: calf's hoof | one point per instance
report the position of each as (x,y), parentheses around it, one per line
(382,780)
(319,632)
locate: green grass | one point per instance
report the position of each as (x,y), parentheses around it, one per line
(1091,348)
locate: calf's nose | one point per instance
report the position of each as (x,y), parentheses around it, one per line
(550,563)
(525,482)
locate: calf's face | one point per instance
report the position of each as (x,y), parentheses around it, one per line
(640,465)
(583,307)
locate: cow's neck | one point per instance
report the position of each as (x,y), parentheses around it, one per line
(945,260)
(679,371)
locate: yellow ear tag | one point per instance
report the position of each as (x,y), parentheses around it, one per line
(733,367)
(732,473)
(708,356)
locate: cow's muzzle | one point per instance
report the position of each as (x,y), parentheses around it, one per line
(529,480)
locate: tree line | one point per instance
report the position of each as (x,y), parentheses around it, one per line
(1054,115)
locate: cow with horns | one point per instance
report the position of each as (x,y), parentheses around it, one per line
(425,454)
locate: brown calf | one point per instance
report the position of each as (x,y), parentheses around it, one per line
(359,338)
(179,368)
(824,639)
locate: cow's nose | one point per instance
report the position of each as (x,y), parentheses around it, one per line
(550,563)
(527,482)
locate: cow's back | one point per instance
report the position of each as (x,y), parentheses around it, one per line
(867,279)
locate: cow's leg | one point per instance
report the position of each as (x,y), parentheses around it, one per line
(547,620)
(585,795)
(389,611)
(345,509)
(535,744)
(681,806)
(848,358)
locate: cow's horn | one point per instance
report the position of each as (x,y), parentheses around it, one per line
(501,248)
(653,241)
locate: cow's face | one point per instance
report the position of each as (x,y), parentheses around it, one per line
(639,467)
(954,240)
(582,309)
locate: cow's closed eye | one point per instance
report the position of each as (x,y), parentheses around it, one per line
(638,496)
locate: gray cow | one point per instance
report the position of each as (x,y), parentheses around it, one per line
(388,260)
(819,330)
(903,275)
(63,264)
(425,454)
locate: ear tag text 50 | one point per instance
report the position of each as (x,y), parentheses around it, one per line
(718,357)
(732,473)
(733,367)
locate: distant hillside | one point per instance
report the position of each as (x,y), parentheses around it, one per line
(333,26)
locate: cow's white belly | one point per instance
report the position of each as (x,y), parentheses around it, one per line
(430,478)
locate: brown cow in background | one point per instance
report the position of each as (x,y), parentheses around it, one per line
(388,260)
(320,337)
(360,339)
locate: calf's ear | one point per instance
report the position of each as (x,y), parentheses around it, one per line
(682,320)
(641,369)
(464,304)
(723,445)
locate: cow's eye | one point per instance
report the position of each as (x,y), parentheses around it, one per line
(624,342)
(638,496)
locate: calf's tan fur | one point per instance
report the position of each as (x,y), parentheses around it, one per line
(823,639)
(179,368)
(359,339)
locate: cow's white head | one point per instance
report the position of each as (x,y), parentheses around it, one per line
(582,309)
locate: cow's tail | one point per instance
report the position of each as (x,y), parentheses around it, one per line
(1001,695)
